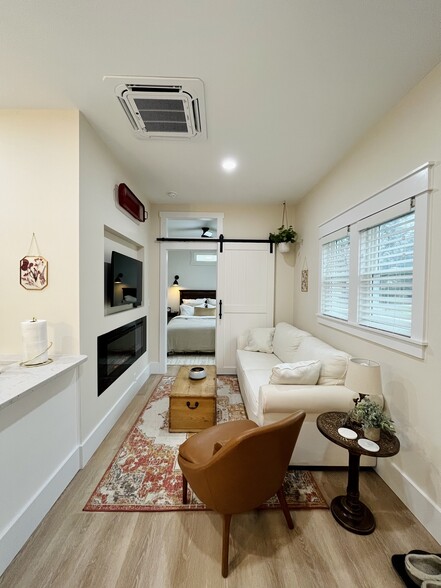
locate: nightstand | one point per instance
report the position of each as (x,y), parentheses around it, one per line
(170,315)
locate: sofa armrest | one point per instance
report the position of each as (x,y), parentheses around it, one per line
(312,399)
(242,340)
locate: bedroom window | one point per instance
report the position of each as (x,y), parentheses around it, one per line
(203,258)
(373,268)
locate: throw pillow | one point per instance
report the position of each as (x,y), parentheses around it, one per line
(194,301)
(301,372)
(186,310)
(260,339)
(204,311)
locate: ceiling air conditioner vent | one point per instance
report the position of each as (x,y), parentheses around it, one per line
(162,108)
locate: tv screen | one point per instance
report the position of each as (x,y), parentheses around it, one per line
(126,276)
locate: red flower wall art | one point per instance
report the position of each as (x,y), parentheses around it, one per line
(33,272)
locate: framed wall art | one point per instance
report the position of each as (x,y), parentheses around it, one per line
(33,269)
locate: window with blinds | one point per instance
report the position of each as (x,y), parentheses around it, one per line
(373,266)
(385,281)
(335,278)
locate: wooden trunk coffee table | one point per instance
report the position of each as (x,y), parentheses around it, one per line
(193,402)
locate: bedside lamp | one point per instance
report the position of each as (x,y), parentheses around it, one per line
(364,377)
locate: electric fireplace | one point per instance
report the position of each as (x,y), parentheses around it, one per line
(118,350)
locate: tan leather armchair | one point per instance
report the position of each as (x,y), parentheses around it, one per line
(236,466)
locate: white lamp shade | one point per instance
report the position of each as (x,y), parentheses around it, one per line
(364,376)
(173,297)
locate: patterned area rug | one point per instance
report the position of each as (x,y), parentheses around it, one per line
(145,475)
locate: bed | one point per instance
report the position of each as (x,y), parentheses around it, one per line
(187,333)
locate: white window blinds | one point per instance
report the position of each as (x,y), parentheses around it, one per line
(386,275)
(335,278)
(373,285)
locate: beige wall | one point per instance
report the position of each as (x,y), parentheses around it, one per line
(39,194)
(240,222)
(408,137)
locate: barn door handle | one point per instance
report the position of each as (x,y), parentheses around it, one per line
(196,404)
(220,309)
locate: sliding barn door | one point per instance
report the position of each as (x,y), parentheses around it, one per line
(245,291)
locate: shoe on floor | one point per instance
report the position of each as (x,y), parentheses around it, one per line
(423,568)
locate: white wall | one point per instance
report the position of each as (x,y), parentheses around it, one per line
(240,222)
(190,275)
(100,215)
(39,172)
(406,138)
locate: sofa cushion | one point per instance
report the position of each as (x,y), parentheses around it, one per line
(260,339)
(286,341)
(334,363)
(249,360)
(301,372)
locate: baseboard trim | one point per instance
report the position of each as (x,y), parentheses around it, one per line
(91,443)
(416,500)
(26,521)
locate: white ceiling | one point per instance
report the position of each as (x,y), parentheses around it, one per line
(290,85)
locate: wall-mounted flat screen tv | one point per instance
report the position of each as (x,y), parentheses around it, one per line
(126,280)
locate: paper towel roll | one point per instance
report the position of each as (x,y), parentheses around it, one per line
(34,337)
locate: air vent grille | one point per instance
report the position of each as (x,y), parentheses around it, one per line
(163,108)
(162,116)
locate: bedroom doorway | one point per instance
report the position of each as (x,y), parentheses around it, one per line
(195,262)
(191,307)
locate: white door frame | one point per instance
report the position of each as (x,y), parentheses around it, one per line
(167,246)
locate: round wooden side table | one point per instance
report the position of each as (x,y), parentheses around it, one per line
(348,510)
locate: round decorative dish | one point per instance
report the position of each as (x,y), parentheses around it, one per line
(368,445)
(347,433)
(197,373)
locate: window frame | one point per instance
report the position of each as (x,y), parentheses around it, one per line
(414,189)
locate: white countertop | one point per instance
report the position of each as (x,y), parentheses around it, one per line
(17,380)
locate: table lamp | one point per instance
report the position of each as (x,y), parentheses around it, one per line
(364,377)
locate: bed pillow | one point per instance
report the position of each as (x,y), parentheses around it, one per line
(198,311)
(186,310)
(193,301)
(260,339)
(301,372)
(211,301)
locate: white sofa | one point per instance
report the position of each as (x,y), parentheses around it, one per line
(267,403)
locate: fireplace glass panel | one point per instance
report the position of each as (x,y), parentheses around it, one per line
(118,350)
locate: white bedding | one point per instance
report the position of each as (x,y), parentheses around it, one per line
(191,333)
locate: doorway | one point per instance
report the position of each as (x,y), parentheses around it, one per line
(191,307)
(191,254)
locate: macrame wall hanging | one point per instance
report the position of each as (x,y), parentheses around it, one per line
(304,282)
(33,268)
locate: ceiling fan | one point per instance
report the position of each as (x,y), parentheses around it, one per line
(206,232)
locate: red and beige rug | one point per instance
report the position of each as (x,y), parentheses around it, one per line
(144,474)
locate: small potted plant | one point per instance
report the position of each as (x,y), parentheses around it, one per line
(283,237)
(372,418)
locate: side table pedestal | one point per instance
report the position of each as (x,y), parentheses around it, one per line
(359,520)
(348,510)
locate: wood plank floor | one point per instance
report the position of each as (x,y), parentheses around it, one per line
(191,359)
(72,548)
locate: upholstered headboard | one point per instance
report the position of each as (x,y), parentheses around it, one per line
(196,294)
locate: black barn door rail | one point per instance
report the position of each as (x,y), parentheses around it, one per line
(221,240)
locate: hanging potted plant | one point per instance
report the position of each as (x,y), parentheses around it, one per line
(285,234)
(372,419)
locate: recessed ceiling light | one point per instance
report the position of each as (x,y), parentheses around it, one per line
(172,194)
(229,164)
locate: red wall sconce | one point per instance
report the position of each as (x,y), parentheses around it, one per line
(128,201)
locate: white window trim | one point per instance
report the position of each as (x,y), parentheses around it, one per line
(418,185)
